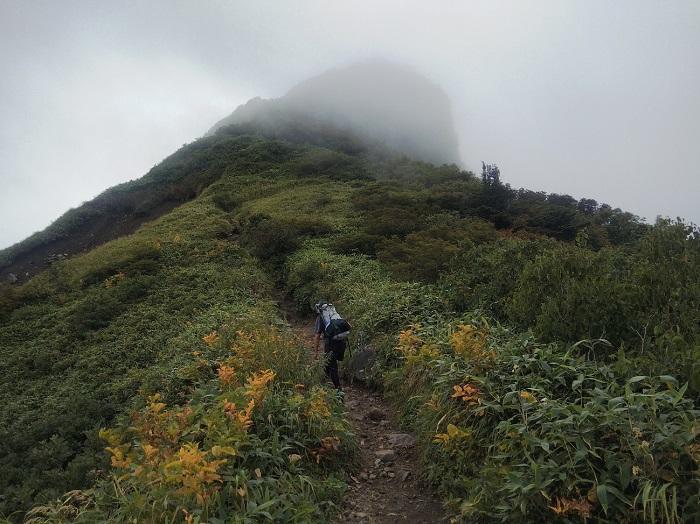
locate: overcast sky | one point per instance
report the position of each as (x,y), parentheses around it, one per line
(597,99)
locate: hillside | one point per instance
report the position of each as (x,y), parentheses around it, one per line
(544,350)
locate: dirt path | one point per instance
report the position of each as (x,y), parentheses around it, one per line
(387,489)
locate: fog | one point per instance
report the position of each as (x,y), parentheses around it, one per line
(591,98)
(377,101)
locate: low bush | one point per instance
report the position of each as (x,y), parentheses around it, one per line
(273,239)
(519,431)
(512,429)
(251,443)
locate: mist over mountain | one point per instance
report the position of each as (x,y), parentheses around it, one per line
(378,101)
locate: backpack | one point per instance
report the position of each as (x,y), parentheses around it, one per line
(335,327)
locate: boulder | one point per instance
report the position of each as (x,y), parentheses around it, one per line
(357,367)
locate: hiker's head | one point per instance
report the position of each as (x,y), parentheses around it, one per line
(319,305)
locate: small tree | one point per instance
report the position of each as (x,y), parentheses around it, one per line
(490,174)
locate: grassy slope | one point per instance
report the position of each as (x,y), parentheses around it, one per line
(94,336)
(78,342)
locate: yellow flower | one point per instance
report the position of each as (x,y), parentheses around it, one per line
(528,397)
(110,436)
(121,458)
(154,406)
(220,451)
(318,406)
(469,393)
(243,418)
(328,446)
(211,339)
(453,434)
(564,506)
(257,384)
(409,341)
(114,279)
(149,452)
(294,458)
(470,343)
(244,347)
(194,473)
(226,375)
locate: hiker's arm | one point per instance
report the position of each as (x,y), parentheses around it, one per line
(317,338)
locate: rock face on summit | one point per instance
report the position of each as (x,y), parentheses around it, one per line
(377,101)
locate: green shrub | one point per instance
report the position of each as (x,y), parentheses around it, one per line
(571,293)
(270,238)
(252,442)
(420,256)
(357,243)
(516,431)
(425,254)
(8,299)
(392,221)
(484,276)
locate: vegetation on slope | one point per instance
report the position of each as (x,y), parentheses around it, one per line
(96,335)
(544,349)
(513,429)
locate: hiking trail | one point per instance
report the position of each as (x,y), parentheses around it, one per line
(386,489)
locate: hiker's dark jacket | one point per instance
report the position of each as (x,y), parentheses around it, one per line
(336,346)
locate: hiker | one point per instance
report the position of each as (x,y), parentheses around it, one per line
(334,330)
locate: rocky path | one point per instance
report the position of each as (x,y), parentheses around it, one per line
(387,488)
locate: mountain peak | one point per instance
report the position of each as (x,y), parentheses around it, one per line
(378,101)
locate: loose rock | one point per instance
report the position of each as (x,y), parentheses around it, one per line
(402,440)
(375,414)
(385,455)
